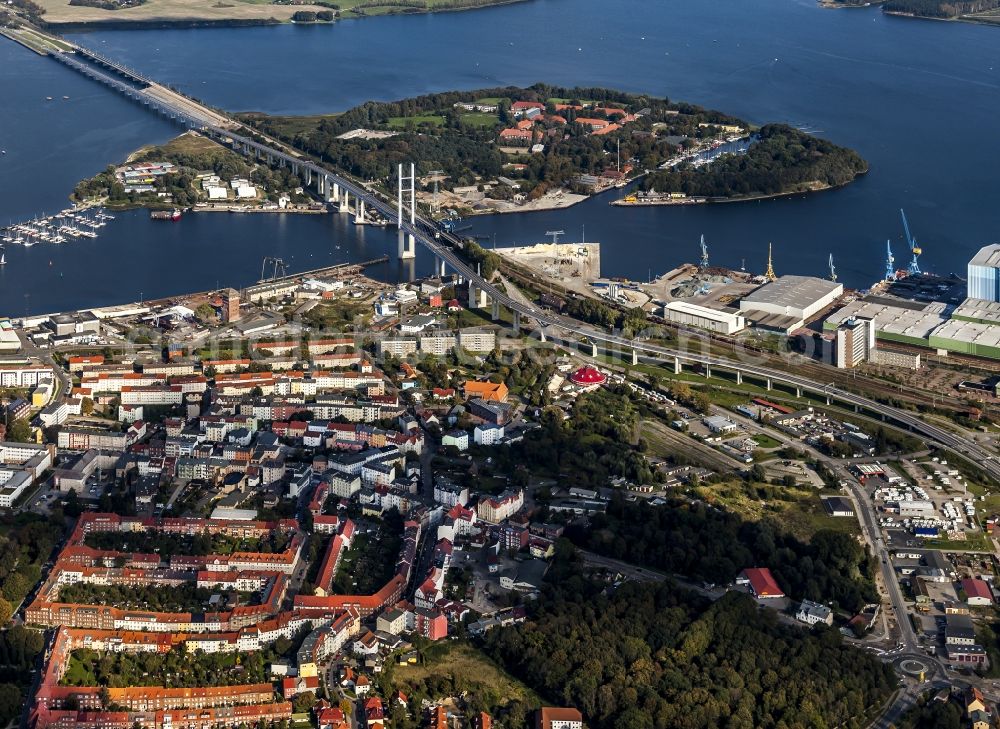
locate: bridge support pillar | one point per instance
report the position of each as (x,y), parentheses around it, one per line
(708,372)
(635,357)
(496,310)
(828,401)
(767,383)
(677,365)
(593,349)
(359,216)
(321,187)
(517,322)
(798,392)
(857,409)
(309,176)
(439,268)
(333,189)
(345,203)
(407,249)
(541,334)
(739,377)
(295,169)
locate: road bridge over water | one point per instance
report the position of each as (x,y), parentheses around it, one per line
(350,196)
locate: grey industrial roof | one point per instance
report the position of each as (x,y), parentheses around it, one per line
(979,309)
(987,256)
(892,319)
(795,291)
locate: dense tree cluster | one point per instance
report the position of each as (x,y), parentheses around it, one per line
(598,442)
(25,543)
(602,314)
(702,542)
(656,657)
(487,261)
(176,668)
(940,8)
(782,159)
(19,649)
(186,598)
(200,544)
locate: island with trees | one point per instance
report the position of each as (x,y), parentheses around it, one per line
(192,171)
(780,160)
(516,149)
(975,11)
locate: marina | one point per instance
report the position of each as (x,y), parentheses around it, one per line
(66,225)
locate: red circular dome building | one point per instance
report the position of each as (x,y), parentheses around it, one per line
(587,376)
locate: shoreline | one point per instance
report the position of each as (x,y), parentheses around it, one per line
(969,18)
(730,200)
(70,25)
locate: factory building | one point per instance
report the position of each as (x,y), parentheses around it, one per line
(786,303)
(984,274)
(722,322)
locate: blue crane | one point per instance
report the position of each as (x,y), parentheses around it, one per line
(890,270)
(833,270)
(914,267)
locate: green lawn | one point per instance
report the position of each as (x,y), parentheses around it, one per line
(766,441)
(977,542)
(403,122)
(491,100)
(480,119)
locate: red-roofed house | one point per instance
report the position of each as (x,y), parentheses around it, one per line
(292,687)
(550,717)
(977,593)
(521,108)
(594,124)
(331,718)
(761,581)
(606,130)
(515,135)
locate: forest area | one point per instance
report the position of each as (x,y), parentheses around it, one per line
(708,544)
(781,160)
(651,656)
(598,442)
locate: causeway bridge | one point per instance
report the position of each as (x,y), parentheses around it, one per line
(349,196)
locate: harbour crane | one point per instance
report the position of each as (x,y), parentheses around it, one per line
(890,270)
(914,267)
(704,253)
(769,274)
(555,235)
(277,266)
(833,270)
